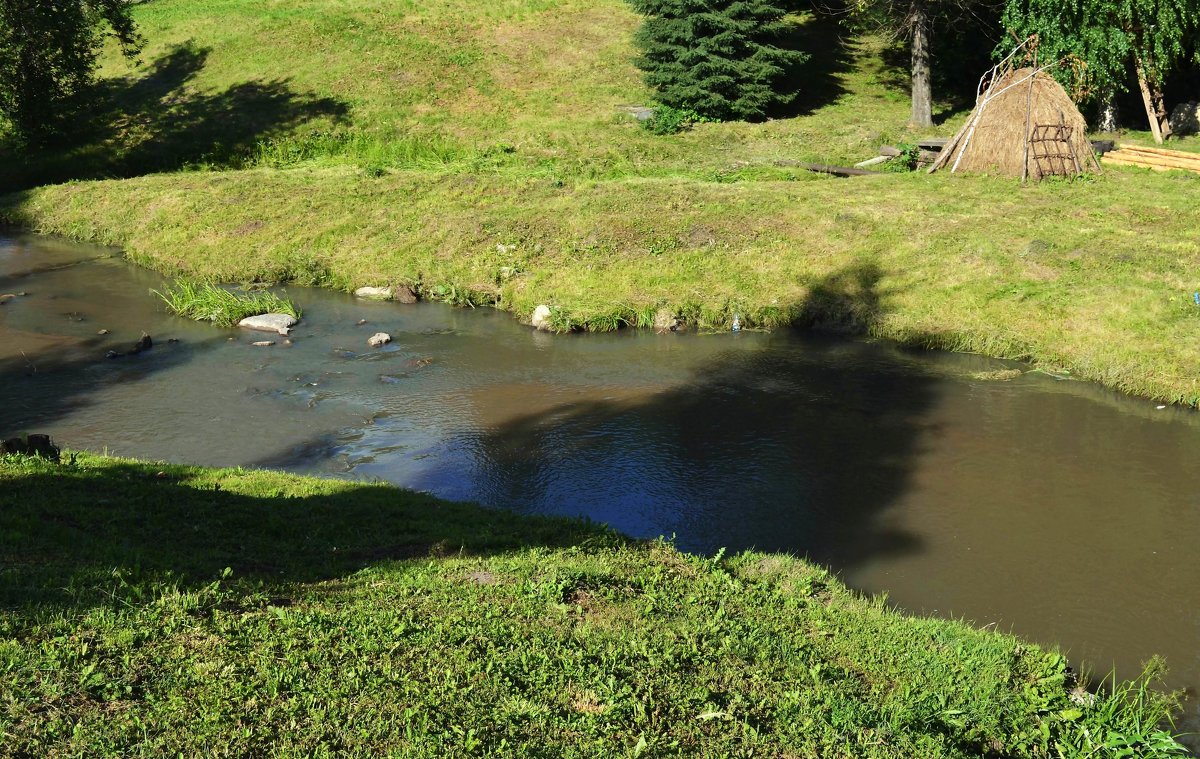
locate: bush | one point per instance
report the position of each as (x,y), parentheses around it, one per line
(722,59)
(668,120)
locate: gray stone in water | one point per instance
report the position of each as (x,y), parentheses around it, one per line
(541,318)
(378,339)
(280,323)
(263,343)
(1185,119)
(379,293)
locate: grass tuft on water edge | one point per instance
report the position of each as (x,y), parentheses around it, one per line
(208,302)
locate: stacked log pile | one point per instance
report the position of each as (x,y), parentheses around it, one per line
(1153,158)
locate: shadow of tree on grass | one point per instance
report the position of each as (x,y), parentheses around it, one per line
(157,121)
(76,536)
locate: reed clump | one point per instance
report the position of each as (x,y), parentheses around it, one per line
(209,302)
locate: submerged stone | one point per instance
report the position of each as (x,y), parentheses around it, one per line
(280,323)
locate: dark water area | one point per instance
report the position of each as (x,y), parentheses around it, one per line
(1054,509)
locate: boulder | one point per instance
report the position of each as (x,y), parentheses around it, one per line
(280,323)
(665,320)
(541,318)
(1185,119)
(41,445)
(376,293)
(405,294)
(263,343)
(379,339)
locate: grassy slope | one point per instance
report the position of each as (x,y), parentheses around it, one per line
(496,124)
(363,620)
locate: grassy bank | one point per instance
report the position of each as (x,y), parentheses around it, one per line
(1092,276)
(478,151)
(148,609)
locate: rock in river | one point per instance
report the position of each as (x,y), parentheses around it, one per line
(280,323)
(381,293)
(541,318)
(378,339)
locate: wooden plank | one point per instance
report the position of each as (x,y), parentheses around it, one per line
(1161,152)
(872,161)
(1182,163)
(1117,159)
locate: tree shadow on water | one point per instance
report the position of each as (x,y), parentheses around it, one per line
(787,443)
(156,120)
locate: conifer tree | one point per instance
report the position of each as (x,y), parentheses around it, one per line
(723,59)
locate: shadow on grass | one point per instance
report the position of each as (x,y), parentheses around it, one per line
(98,532)
(790,446)
(818,81)
(156,121)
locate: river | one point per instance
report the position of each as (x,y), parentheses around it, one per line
(1058,510)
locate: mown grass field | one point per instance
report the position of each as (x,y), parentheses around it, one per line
(153,610)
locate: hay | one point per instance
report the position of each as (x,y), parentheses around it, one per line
(996,137)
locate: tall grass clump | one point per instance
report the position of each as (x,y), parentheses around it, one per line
(208,302)
(1125,719)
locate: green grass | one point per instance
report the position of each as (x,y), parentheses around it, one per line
(151,610)
(208,302)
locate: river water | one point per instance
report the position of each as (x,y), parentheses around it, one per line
(1054,509)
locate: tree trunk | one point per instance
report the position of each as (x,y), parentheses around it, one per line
(1160,110)
(1108,115)
(1148,102)
(922,91)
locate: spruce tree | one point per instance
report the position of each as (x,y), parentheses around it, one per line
(723,59)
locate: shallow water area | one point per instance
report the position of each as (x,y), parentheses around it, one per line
(1055,509)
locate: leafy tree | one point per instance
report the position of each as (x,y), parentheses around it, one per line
(1103,38)
(722,59)
(48,52)
(917,21)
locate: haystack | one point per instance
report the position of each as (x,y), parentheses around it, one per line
(1024,125)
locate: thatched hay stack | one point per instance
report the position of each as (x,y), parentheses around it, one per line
(996,138)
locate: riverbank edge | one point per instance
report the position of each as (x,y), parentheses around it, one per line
(646,253)
(164,532)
